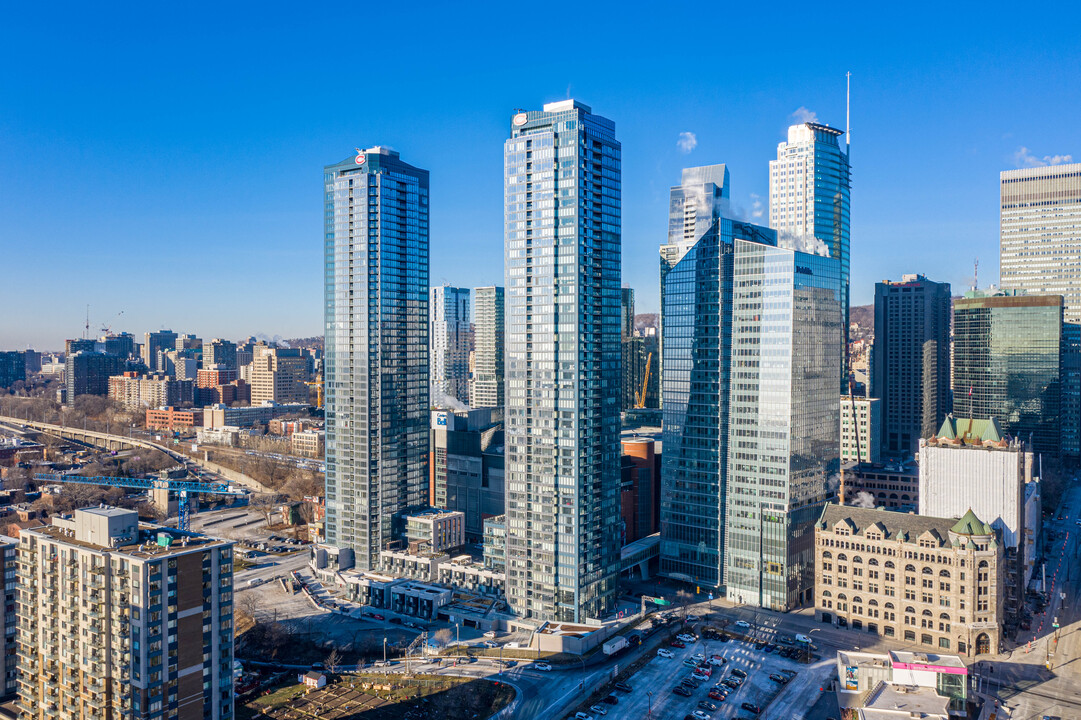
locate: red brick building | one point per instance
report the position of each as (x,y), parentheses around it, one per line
(171,418)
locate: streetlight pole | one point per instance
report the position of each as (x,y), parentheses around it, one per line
(384,654)
(649,694)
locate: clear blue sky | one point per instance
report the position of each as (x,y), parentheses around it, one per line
(166,160)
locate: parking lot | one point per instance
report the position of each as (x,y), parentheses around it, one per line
(660,675)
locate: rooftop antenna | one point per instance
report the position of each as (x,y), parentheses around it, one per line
(976,275)
(86,330)
(848,112)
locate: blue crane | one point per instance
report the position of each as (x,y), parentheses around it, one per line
(181,487)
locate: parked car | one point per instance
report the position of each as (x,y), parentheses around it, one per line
(739,673)
(751,708)
(677,644)
(776,677)
(785,640)
(623,687)
(717,661)
(598,709)
(490,634)
(698,657)
(707,705)
(691,682)
(680,690)
(693,618)
(690,663)
(717,694)
(741,625)
(582,716)
(543,666)
(699,715)
(733,683)
(665,653)
(611,700)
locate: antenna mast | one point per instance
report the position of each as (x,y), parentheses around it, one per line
(86,330)
(848,112)
(976,275)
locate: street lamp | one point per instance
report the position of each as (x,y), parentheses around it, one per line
(384,654)
(649,694)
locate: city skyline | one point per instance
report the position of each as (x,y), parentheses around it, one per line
(191,135)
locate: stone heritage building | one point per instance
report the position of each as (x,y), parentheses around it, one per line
(933,581)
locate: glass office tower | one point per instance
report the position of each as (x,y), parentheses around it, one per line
(450,340)
(1039,252)
(376,361)
(809,189)
(784,420)
(562,229)
(1007,363)
(486,389)
(696,335)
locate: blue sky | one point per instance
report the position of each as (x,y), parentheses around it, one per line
(166,160)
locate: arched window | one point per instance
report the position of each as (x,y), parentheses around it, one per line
(842,596)
(857,559)
(827,593)
(910,568)
(904,496)
(944,616)
(827,554)
(841,557)
(857,599)
(928,613)
(889,606)
(890,565)
(910,610)
(893,496)
(872,561)
(944,573)
(873,602)
(928,571)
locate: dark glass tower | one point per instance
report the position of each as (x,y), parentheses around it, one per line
(377,410)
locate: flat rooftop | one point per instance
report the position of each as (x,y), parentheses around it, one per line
(147,547)
(930,659)
(889,701)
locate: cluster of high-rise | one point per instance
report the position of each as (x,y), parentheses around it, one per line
(748,362)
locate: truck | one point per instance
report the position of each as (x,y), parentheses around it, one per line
(614,645)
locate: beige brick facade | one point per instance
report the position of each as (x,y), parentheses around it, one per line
(936,582)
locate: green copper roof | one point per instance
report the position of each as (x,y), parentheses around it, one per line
(970,430)
(970,525)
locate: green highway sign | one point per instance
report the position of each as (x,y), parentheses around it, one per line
(655,600)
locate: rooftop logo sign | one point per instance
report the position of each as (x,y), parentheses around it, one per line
(519,119)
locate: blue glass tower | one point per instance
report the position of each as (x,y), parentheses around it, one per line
(376,361)
(562,304)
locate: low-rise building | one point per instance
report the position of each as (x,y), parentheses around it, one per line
(436,531)
(894,685)
(171,418)
(894,485)
(309,443)
(933,581)
(217,416)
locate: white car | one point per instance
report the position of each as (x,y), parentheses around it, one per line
(741,624)
(701,715)
(582,716)
(598,709)
(716,662)
(542,666)
(803,639)
(699,657)
(686,638)
(664,653)
(490,634)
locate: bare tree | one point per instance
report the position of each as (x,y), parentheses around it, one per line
(442,637)
(684,598)
(263,503)
(333,661)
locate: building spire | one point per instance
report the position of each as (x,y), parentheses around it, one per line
(848,112)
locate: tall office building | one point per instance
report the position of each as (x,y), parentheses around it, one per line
(562,250)
(861,428)
(156,342)
(911,361)
(9,586)
(809,186)
(278,375)
(119,618)
(79,345)
(487,389)
(12,367)
(219,353)
(88,373)
(1007,364)
(122,345)
(450,342)
(626,313)
(1039,251)
(784,420)
(696,334)
(376,362)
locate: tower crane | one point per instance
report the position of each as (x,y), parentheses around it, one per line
(181,487)
(640,398)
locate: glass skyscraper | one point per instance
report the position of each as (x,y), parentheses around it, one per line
(696,335)
(376,361)
(784,420)
(1007,357)
(488,365)
(1040,252)
(809,188)
(562,230)
(450,340)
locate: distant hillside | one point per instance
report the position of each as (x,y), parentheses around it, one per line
(864,316)
(308,342)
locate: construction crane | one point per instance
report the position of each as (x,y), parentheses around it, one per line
(318,384)
(640,398)
(108,327)
(181,487)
